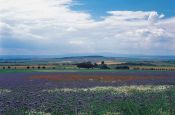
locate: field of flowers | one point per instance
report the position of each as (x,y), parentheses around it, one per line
(100,93)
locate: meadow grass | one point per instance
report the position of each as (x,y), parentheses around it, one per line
(131,100)
(154,100)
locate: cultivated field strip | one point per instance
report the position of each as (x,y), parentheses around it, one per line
(23,94)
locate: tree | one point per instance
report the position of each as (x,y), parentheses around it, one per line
(104,66)
(9,67)
(122,67)
(28,67)
(85,65)
(95,65)
(102,63)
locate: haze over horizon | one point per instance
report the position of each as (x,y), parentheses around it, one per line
(91,27)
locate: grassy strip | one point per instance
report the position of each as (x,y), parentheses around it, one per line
(71,70)
(15,71)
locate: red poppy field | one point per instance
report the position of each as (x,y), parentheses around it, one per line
(106,76)
(78,77)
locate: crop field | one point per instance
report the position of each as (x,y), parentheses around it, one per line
(87,93)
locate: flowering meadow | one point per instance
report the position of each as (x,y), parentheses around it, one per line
(71,93)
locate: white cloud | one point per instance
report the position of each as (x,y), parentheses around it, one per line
(154,17)
(71,29)
(76,42)
(50,26)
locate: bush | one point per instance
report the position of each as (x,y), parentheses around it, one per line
(85,65)
(28,67)
(103,66)
(95,65)
(122,67)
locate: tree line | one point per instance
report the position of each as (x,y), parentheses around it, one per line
(27,67)
(90,65)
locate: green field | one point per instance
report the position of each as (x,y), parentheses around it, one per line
(71,70)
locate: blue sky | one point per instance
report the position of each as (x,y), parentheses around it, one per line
(98,8)
(92,27)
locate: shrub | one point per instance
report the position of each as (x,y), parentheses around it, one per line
(28,67)
(122,67)
(103,66)
(85,65)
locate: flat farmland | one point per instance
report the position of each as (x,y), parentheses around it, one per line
(107,76)
(87,93)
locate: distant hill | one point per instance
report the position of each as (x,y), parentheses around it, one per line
(87,58)
(82,57)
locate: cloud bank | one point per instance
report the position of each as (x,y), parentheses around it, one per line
(52,27)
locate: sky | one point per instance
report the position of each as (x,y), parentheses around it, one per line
(87,27)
